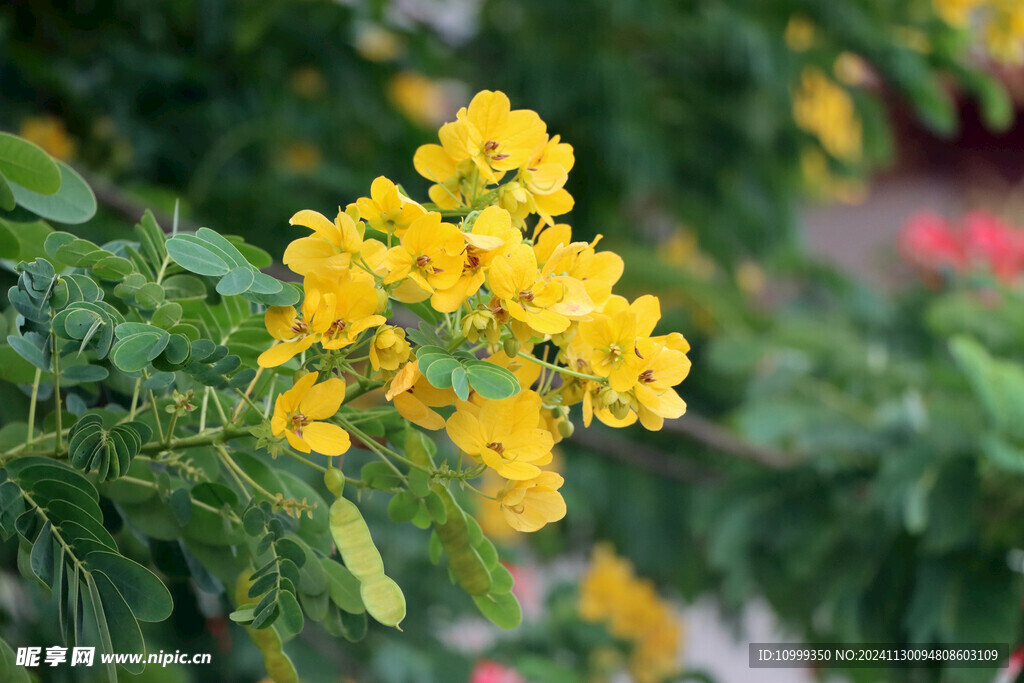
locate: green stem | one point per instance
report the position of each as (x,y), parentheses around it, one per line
(382,452)
(170,428)
(32,407)
(135,399)
(560,369)
(223,452)
(56,393)
(212,437)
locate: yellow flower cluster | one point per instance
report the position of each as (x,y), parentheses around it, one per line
(493,294)
(631,609)
(1001,23)
(824,109)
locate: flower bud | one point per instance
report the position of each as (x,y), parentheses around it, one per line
(481,322)
(511,347)
(389,348)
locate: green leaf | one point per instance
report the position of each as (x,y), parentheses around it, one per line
(403,507)
(194,255)
(501,609)
(125,635)
(491,381)
(28,165)
(343,586)
(73,203)
(145,594)
(237,281)
(41,558)
(7,202)
(151,239)
(150,295)
(85,373)
(290,622)
(182,287)
(439,372)
(9,669)
(460,383)
(113,268)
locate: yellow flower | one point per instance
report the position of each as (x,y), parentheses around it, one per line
(308,82)
(414,397)
(494,136)
(543,301)
(544,175)
(450,175)
(332,313)
(530,504)
(597,270)
(611,593)
(420,99)
(492,231)
(332,246)
(298,414)
(799,33)
(389,349)
(826,110)
(297,331)
(612,339)
(49,133)
(430,254)
(504,434)
(378,44)
(660,368)
(302,157)
(354,312)
(387,209)
(481,322)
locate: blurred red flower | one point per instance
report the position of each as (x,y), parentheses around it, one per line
(487,671)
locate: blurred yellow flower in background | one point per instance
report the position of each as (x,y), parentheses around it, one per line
(378,44)
(308,82)
(630,607)
(302,157)
(799,33)
(826,110)
(418,98)
(49,133)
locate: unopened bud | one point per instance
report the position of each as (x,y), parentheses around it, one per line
(511,347)
(566,428)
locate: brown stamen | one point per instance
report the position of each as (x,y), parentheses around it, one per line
(647,376)
(497,447)
(422,260)
(526,295)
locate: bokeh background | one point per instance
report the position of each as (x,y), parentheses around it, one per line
(824,194)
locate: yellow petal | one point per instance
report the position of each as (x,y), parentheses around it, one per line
(514,470)
(318,223)
(283,352)
(296,443)
(323,400)
(326,438)
(433,163)
(466,432)
(412,409)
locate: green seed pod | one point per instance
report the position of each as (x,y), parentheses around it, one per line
(352,536)
(467,567)
(511,347)
(334,480)
(383,599)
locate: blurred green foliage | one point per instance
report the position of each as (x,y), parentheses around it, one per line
(893,518)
